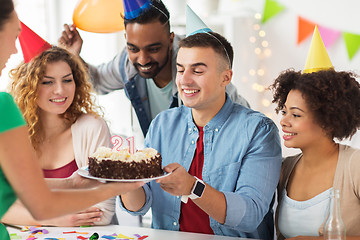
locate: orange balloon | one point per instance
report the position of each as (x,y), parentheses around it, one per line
(99,16)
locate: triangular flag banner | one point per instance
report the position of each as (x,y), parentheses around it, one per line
(329,36)
(352,42)
(317,58)
(31,43)
(194,24)
(305,28)
(271,8)
(134,8)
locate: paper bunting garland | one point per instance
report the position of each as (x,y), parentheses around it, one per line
(305,29)
(271,9)
(330,35)
(352,42)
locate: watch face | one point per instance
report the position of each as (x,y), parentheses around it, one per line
(199,188)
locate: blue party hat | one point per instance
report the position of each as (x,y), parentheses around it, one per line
(134,8)
(194,24)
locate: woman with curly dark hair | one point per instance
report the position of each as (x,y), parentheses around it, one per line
(317,108)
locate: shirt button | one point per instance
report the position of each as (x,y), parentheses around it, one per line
(195,128)
(216,130)
(192,142)
(140,109)
(132,86)
(174,223)
(178,197)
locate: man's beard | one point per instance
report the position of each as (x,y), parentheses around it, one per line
(155,65)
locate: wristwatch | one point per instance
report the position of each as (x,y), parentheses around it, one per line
(196,192)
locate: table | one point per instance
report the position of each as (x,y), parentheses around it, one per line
(126,231)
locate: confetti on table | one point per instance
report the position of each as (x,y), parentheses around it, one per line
(14,236)
(123,236)
(143,237)
(108,237)
(81,237)
(95,236)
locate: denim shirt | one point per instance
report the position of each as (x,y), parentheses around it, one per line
(120,73)
(242,159)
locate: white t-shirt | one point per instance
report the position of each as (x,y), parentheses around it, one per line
(303,218)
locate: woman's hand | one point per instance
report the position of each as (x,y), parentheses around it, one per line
(87,217)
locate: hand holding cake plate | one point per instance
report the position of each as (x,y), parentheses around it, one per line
(84,172)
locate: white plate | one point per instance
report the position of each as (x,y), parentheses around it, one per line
(84,172)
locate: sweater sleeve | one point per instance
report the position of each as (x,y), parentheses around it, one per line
(354,166)
(106,77)
(89,133)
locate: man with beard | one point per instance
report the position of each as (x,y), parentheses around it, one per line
(146,69)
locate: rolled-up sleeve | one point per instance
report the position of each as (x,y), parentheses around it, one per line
(106,77)
(257,180)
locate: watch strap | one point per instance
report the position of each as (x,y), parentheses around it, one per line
(185,198)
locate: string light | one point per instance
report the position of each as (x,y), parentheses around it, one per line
(257,51)
(266,102)
(262,51)
(252,39)
(260,72)
(252,72)
(258,16)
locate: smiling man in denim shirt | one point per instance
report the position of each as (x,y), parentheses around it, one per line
(225,157)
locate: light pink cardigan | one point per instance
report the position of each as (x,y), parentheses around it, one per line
(89,133)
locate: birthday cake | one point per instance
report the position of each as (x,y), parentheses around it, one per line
(106,163)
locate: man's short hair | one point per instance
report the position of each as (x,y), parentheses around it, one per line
(213,40)
(156,12)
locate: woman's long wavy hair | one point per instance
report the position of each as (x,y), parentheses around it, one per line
(24,88)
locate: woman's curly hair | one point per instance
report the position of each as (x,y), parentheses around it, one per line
(24,88)
(333,97)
